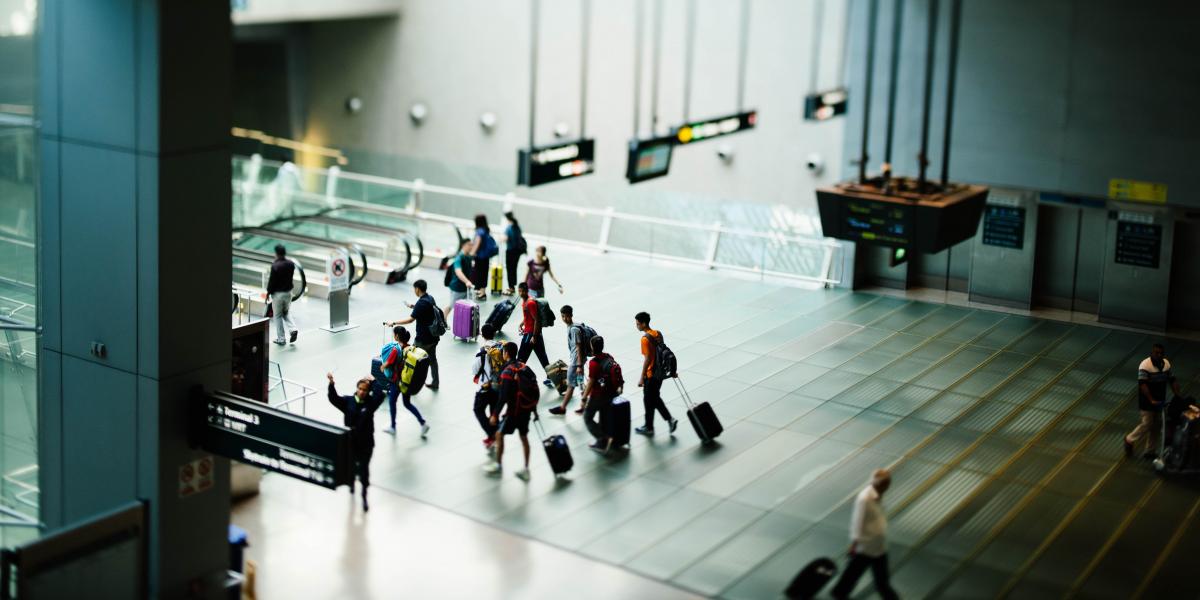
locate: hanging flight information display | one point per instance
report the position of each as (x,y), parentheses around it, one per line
(649,158)
(1004,226)
(547,164)
(710,128)
(256,434)
(901,219)
(826,105)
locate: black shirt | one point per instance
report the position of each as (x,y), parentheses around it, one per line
(282,271)
(359,417)
(423,312)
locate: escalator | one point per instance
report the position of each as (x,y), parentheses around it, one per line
(251,270)
(309,252)
(390,251)
(437,240)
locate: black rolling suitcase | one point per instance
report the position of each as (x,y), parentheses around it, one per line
(557,450)
(501,312)
(616,421)
(704,419)
(809,581)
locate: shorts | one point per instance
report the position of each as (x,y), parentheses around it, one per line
(574,379)
(514,423)
(456,296)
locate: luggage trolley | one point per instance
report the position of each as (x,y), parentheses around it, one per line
(1179,442)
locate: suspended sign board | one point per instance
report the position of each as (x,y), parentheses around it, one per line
(826,105)
(547,164)
(711,128)
(1004,226)
(916,222)
(649,158)
(256,434)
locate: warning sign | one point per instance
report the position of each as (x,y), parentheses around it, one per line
(337,267)
(195,476)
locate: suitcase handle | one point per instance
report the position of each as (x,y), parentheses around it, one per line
(537,424)
(690,405)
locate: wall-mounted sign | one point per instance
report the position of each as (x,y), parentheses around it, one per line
(1004,226)
(257,434)
(710,128)
(1138,244)
(1139,191)
(547,164)
(826,105)
(649,158)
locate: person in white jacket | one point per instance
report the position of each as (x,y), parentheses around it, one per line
(868,540)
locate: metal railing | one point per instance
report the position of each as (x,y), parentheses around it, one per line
(277,380)
(713,245)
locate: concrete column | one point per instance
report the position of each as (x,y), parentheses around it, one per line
(134,112)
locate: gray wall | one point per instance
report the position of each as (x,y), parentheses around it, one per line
(1054,95)
(465,57)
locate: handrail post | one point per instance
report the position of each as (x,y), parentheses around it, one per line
(827,265)
(508,201)
(331,177)
(605,229)
(713,243)
(418,189)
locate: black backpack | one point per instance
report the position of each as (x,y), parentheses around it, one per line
(545,313)
(451,275)
(529,392)
(666,365)
(611,381)
(583,338)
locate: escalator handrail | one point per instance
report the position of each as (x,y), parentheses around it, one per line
(361,256)
(350,249)
(402,234)
(248,254)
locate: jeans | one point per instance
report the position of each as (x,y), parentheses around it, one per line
(595,405)
(393,393)
(854,570)
(485,406)
(531,342)
(431,350)
(281,304)
(512,260)
(652,400)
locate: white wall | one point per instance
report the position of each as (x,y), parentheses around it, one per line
(464,57)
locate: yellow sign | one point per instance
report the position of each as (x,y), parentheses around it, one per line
(1140,191)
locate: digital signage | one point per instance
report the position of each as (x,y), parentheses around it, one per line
(547,164)
(710,128)
(826,105)
(649,158)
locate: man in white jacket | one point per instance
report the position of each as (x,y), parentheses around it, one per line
(868,543)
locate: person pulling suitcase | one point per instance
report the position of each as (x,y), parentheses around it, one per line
(519,394)
(604,384)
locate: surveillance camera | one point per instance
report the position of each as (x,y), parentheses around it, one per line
(725,153)
(354,105)
(814,163)
(417,113)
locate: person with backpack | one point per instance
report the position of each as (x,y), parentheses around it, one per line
(651,377)
(483,248)
(458,277)
(514,246)
(519,395)
(536,271)
(579,347)
(531,330)
(604,384)
(488,364)
(358,414)
(430,325)
(393,361)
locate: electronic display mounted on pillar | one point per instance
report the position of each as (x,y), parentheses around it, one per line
(697,131)
(547,164)
(649,158)
(826,105)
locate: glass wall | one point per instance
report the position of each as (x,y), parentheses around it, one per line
(18,273)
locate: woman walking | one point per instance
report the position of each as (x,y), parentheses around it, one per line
(483,248)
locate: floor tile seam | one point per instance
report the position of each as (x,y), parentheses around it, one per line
(674,489)
(1166,552)
(683,526)
(873,300)
(876,320)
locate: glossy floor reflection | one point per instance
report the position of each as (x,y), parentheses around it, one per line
(1003,432)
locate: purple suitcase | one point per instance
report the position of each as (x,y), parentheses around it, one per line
(466,320)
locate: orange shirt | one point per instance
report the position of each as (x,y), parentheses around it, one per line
(648,349)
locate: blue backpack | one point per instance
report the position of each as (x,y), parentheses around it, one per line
(392,372)
(489,247)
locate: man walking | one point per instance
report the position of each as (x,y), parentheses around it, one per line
(489,362)
(358,414)
(868,545)
(650,380)
(1154,375)
(430,326)
(579,337)
(603,385)
(519,402)
(531,331)
(279,289)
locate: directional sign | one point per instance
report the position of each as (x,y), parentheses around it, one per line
(254,433)
(711,128)
(826,105)
(547,164)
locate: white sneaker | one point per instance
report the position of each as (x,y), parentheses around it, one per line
(424,429)
(391,430)
(523,474)
(492,468)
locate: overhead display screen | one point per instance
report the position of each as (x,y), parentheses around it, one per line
(547,164)
(257,434)
(881,222)
(1004,226)
(826,105)
(649,158)
(1138,244)
(710,128)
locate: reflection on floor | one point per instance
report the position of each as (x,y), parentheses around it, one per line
(1003,432)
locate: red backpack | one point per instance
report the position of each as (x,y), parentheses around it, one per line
(611,381)
(529,393)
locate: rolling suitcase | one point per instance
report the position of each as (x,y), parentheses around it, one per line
(556,372)
(496,280)
(466,320)
(704,419)
(617,420)
(811,579)
(557,450)
(501,313)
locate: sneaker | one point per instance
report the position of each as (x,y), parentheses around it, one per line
(579,411)
(391,430)
(424,429)
(432,386)
(280,342)
(600,447)
(523,474)
(1128,449)
(558,410)
(492,468)
(548,383)
(366,508)
(644,430)
(295,334)
(674,424)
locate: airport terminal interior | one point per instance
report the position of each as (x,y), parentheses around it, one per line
(917,282)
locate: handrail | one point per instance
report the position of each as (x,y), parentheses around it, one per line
(409,264)
(315,241)
(249,254)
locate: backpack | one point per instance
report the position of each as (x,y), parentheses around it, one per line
(488,248)
(391,373)
(521,247)
(438,327)
(611,381)
(529,392)
(416,368)
(666,365)
(493,354)
(583,338)
(545,313)
(450,274)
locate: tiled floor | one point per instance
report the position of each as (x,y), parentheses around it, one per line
(1003,432)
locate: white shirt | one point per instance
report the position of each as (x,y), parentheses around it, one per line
(868,526)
